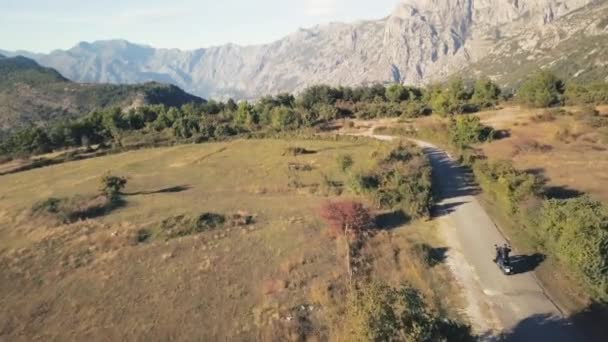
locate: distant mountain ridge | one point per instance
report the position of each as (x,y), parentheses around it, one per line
(30,93)
(419,42)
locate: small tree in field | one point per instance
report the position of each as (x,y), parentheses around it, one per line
(349,219)
(112,185)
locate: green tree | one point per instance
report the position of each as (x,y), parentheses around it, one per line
(284,118)
(485,93)
(162,122)
(439,102)
(319,94)
(111,186)
(465,130)
(185,127)
(396,93)
(113,124)
(245,115)
(231,105)
(543,89)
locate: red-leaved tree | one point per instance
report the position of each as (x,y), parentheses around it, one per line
(347,218)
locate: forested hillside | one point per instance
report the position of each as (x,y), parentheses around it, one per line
(32,94)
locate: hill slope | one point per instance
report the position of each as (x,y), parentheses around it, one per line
(419,42)
(30,93)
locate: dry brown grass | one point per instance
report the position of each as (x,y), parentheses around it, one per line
(566,150)
(279,278)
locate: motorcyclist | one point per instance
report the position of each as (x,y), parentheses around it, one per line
(499,253)
(506,249)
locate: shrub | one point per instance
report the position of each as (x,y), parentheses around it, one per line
(112,185)
(508,186)
(68,210)
(576,232)
(543,89)
(142,235)
(346,217)
(284,118)
(183,225)
(465,130)
(49,206)
(400,180)
(345,162)
(485,93)
(414,109)
(593,93)
(377,312)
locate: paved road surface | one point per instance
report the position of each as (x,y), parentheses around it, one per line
(514,307)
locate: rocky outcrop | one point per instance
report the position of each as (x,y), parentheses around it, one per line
(421,41)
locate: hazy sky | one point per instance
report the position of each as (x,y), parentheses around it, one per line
(44,25)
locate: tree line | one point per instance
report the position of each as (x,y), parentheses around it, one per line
(315,105)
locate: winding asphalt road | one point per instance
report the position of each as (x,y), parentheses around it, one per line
(500,307)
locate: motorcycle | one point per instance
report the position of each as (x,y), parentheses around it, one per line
(502,259)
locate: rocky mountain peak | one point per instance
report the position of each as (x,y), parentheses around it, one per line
(419,42)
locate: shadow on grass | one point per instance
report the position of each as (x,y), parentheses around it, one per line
(391,220)
(95,210)
(501,134)
(561,192)
(173,189)
(432,256)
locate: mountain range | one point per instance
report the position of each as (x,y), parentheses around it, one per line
(421,41)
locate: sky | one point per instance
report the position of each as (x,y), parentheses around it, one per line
(45,25)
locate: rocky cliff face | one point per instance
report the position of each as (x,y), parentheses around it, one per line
(421,41)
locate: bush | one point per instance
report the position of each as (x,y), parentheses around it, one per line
(183,225)
(414,109)
(576,232)
(377,312)
(465,130)
(68,210)
(400,180)
(594,93)
(345,162)
(485,93)
(49,206)
(346,217)
(112,185)
(543,89)
(508,186)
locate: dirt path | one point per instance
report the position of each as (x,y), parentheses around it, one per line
(514,306)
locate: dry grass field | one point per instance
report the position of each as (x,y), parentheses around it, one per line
(279,278)
(564,147)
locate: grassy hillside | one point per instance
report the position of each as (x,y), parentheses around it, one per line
(30,93)
(279,278)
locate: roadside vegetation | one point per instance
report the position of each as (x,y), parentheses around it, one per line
(572,229)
